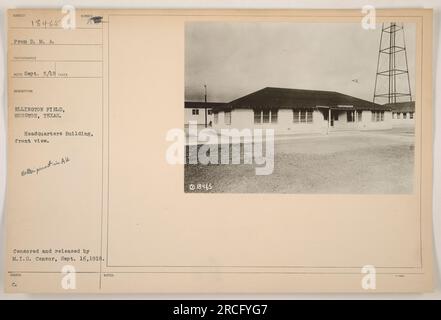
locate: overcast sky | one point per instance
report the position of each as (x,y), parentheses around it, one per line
(236,58)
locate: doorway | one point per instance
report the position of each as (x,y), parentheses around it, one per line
(334,117)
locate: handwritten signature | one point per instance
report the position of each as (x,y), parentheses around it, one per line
(95,19)
(49,164)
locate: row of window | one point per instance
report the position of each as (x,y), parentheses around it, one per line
(398,115)
(271,116)
(377,116)
(300,116)
(266,116)
(195,112)
(351,116)
(227,117)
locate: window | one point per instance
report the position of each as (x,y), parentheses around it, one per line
(335,116)
(302,116)
(216,117)
(350,116)
(411,115)
(398,115)
(266,116)
(227,117)
(274,115)
(393,115)
(377,116)
(257,116)
(296,118)
(309,116)
(404,115)
(209,112)
(195,112)
(359,116)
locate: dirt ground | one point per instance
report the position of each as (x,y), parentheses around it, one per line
(374,162)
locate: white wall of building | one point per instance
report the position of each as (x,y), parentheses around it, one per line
(399,120)
(200,118)
(365,121)
(368,124)
(342,124)
(244,119)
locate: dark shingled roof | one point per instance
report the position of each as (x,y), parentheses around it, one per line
(283,98)
(209,105)
(407,106)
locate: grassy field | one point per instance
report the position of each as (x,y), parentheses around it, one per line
(354,162)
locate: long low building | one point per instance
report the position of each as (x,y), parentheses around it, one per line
(403,113)
(301,111)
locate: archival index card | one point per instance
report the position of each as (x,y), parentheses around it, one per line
(219,151)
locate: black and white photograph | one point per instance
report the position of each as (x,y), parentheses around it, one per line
(221,151)
(308,108)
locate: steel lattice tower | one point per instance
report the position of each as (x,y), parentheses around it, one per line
(393,54)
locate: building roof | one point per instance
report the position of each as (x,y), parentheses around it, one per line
(298,98)
(407,106)
(202,105)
